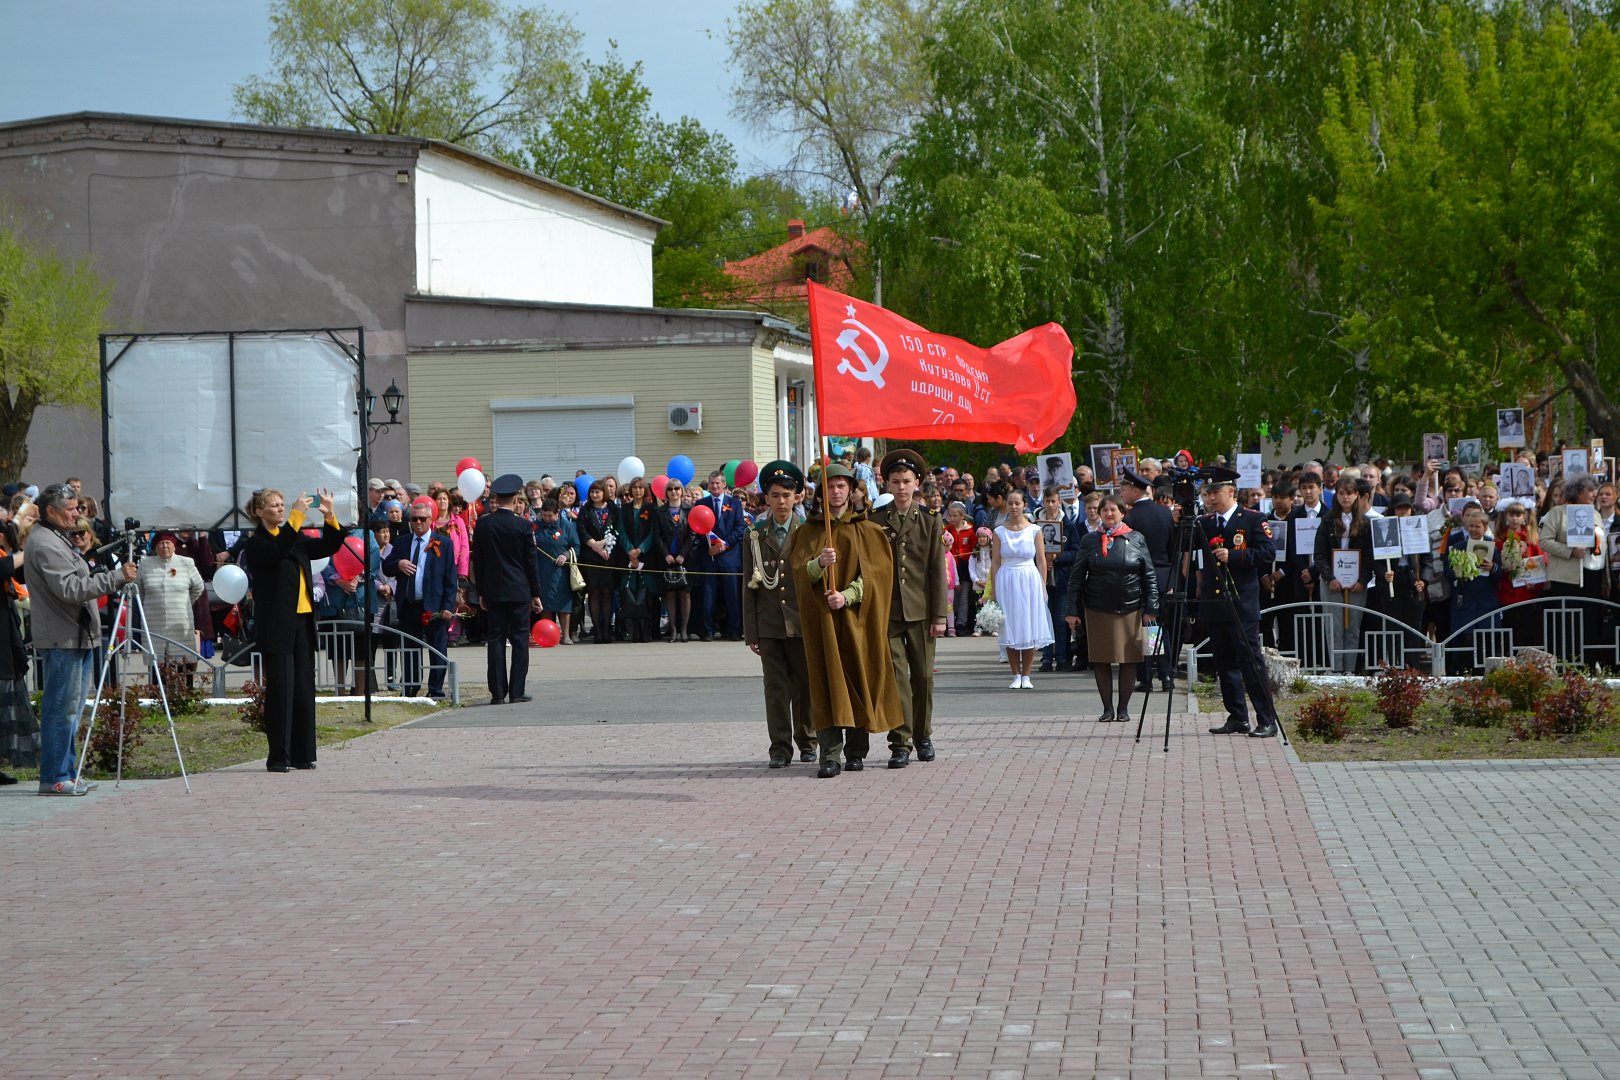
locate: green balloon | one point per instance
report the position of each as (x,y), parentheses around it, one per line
(730,471)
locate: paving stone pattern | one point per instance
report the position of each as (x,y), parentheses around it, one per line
(1046,900)
(1486,892)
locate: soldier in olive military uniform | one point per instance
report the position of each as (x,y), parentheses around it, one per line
(771,616)
(919,611)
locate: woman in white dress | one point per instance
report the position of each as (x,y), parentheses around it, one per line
(1018,570)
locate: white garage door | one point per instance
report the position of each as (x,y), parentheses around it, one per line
(560,436)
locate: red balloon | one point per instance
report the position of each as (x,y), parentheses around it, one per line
(350,559)
(701,518)
(746,471)
(468,463)
(659,483)
(545,633)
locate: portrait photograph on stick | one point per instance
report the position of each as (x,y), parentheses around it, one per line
(1102,463)
(1510,429)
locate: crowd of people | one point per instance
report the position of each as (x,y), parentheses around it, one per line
(1071,576)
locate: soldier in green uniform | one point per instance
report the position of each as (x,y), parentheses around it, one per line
(919,610)
(844,588)
(771,616)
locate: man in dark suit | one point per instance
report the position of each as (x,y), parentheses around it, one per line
(1157,525)
(719,562)
(503,564)
(1234,548)
(424,564)
(1309,505)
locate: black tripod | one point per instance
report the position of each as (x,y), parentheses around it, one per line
(1175,605)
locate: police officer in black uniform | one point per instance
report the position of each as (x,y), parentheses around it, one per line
(1234,547)
(503,564)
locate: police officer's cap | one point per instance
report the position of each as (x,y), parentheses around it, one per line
(902,459)
(782,473)
(1135,480)
(506,485)
(1220,476)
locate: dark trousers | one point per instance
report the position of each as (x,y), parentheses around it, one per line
(787,695)
(436,634)
(1057,598)
(289,698)
(507,622)
(852,743)
(911,649)
(1241,666)
(718,587)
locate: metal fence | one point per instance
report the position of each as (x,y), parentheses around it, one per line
(1576,630)
(398,656)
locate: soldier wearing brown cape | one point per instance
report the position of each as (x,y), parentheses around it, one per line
(846,630)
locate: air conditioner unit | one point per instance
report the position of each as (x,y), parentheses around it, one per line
(687,417)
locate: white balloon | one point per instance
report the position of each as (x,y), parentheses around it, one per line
(230,583)
(882,500)
(630,468)
(317,565)
(471,485)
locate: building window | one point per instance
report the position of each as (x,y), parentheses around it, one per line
(814,272)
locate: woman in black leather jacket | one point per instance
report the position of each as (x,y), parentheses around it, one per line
(1114,585)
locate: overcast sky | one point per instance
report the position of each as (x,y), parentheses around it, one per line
(180,58)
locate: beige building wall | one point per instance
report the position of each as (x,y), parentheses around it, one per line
(451,391)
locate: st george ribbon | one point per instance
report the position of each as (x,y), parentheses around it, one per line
(878,374)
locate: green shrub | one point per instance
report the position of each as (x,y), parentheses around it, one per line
(251,711)
(1522,682)
(1400,692)
(116,705)
(1475,705)
(1324,717)
(1578,706)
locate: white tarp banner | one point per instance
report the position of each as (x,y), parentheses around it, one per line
(169,424)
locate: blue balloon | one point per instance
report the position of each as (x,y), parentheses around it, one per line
(582,485)
(681,468)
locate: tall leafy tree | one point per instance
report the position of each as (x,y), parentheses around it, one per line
(467,71)
(843,83)
(1066,171)
(51,311)
(1476,212)
(1271,68)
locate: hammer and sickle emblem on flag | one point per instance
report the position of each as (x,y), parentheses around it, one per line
(848,342)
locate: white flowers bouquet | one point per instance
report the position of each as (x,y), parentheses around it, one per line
(991,617)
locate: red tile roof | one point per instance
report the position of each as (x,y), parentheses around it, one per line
(778,275)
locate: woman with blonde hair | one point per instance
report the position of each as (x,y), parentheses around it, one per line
(276,557)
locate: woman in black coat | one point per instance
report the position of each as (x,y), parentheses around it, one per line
(672,543)
(1114,584)
(600,550)
(276,557)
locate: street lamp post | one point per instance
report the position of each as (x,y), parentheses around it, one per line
(393,399)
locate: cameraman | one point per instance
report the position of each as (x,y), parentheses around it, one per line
(67,631)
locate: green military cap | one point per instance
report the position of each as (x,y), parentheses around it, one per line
(835,470)
(781,473)
(902,458)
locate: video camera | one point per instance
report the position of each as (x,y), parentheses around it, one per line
(1187,478)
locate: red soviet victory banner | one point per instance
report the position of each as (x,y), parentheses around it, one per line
(881,375)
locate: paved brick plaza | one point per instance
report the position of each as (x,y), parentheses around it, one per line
(573,898)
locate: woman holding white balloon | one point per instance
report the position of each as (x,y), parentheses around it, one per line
(277,560)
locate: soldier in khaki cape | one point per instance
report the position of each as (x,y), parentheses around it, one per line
(919,609)
(846,640)
(771,616)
